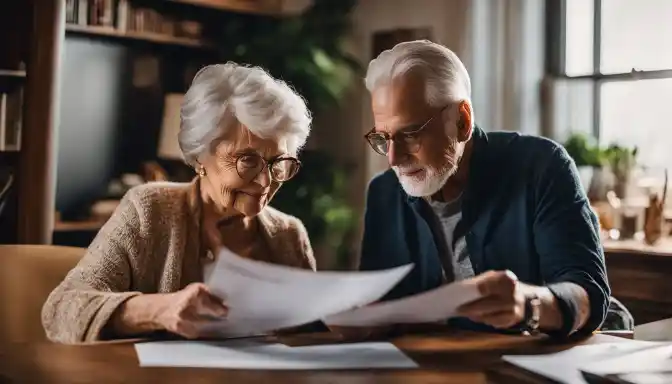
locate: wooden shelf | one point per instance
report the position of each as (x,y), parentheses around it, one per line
(156,38)
(6,73)
(9,79)
(257,7)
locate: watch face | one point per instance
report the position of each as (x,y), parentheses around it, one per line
(532,313)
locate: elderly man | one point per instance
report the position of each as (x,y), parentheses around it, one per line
(503,209)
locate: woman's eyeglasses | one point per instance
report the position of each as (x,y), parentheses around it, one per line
(249,166)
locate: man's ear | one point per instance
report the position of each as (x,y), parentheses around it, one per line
(464,122)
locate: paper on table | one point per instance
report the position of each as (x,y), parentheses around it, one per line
(431,306)
(249,354)
(564,366)
(656,358)
(263,297)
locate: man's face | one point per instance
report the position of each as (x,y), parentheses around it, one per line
(400,108)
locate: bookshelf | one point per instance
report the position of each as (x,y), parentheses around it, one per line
(30,51)
(129,20)
(150,37)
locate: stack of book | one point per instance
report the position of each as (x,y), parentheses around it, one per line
(11,105)
(90,12)
(122,16)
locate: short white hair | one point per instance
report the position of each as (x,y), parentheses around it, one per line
(447,80)
(224,95)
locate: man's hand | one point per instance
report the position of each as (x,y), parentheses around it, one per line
(502,304)
(182,312)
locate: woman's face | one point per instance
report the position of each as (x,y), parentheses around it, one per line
(237,176)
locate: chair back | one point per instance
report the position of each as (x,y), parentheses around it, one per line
(28,274)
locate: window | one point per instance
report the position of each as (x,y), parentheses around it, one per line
(616,57)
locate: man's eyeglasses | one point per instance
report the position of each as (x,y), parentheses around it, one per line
(407,141)
(249,166)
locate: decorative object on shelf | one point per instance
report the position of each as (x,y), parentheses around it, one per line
(621,162)
(152,171)
(102,210)
(169,147)
(653,216)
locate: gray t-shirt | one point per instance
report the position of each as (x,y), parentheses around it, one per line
(454,255)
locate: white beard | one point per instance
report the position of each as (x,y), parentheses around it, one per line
(427,182)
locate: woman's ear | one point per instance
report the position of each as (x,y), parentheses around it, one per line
(464,122)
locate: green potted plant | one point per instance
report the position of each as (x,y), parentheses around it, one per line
(318,196)
(586,155)
(621,161)
(306,51)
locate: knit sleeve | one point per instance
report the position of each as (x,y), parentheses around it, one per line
(306,249)
(81,306)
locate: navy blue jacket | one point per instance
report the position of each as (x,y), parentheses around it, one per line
(524,210)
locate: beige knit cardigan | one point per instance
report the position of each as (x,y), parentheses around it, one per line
(151,244)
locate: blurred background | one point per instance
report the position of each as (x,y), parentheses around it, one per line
(90,92)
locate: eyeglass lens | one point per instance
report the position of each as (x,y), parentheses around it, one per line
(282,169)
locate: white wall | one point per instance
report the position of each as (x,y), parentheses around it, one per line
(505,58)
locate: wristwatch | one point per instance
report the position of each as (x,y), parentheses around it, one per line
(532,314)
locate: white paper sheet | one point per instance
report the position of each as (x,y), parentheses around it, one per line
(263,297)
(565,366)
(654,359)
(431,306)
(249,354)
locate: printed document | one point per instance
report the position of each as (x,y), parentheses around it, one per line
(431,306)
(644,365)
(257,354)
(566,366)
(263,297)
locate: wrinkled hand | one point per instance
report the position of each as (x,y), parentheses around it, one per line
(502,304)
(183,312)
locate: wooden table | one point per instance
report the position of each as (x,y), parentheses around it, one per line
(444,357)
(639,276)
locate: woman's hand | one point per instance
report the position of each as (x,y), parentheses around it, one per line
(184,311)
(181,312)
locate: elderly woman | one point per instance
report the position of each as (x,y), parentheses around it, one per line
(240,130)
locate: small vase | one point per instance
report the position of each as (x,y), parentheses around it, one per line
(621,184)
(653,221)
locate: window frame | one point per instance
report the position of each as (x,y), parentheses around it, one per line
(555,65)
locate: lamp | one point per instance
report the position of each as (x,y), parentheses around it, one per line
(169,148)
